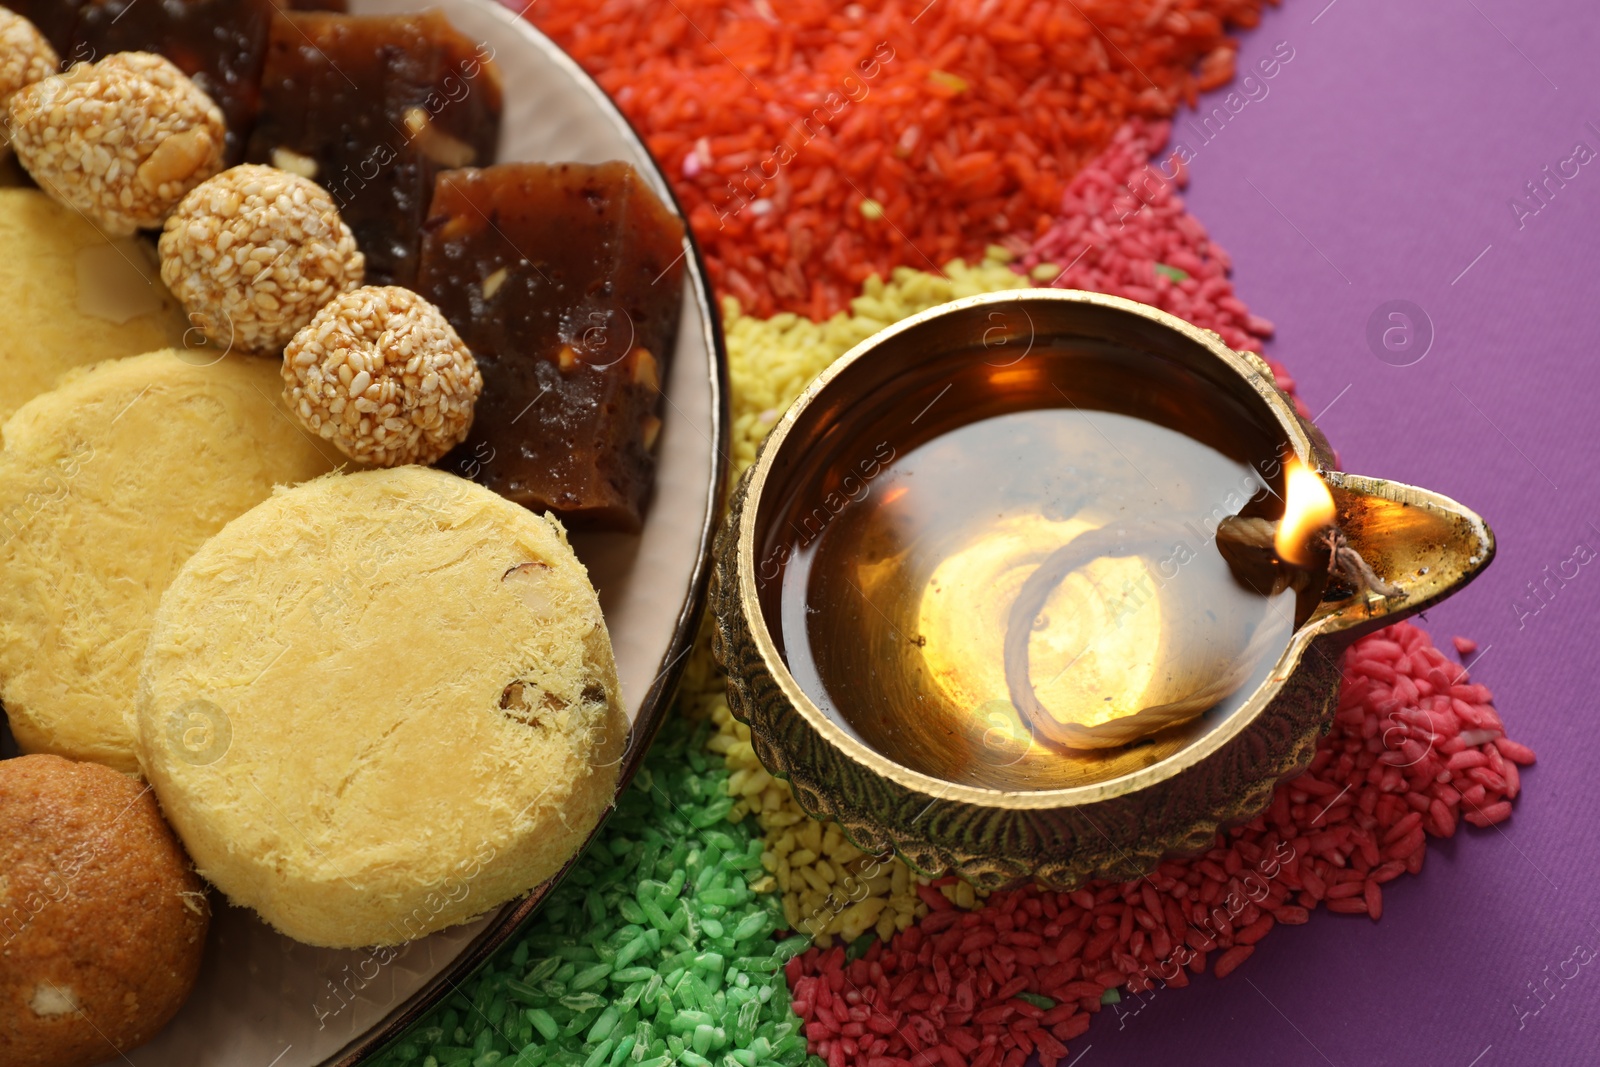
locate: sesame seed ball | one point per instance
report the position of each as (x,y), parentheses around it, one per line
(25,57)
(254,253)
(121,140)
(382,374)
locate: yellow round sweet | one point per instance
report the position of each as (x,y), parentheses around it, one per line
(380,704)
(107,484)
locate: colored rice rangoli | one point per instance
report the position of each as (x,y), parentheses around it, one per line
(713,922)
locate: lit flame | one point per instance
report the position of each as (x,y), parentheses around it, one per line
(1309,509)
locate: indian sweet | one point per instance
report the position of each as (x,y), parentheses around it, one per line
(220,44)
(121,140)
(382,375)
(72,296)
(565,280)
(254,253)
(403,699)
(373,107)
(108,483)
(25,57)
(104,920)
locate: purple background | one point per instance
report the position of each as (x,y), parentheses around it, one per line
(1379,167)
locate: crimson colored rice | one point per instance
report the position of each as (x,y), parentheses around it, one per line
(1123,229)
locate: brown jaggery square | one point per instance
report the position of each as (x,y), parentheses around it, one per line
(380,104)
(566,282)
(221,44)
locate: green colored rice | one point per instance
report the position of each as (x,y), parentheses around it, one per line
(653,951)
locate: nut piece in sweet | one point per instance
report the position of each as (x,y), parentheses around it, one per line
(25,57)
(121,140)
(381,374)
(254,253)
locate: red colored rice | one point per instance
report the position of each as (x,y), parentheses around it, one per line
(918,131)
(1415,746)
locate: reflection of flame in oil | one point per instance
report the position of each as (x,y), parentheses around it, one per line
(1309,508)
(1095,648)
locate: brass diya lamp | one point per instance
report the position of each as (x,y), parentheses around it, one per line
(1052,584)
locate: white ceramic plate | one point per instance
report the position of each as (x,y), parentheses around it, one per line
(265,1001)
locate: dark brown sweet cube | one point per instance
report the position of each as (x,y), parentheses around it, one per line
(221,44)
(373,107)
(566,281)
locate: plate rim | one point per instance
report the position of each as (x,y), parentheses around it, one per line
(657,700)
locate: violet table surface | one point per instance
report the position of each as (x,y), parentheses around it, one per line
(1379,167)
